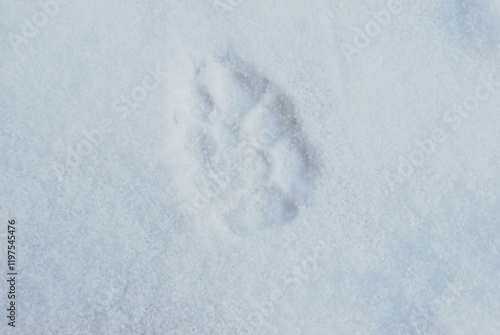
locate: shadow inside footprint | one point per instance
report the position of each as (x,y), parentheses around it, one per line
(253,165)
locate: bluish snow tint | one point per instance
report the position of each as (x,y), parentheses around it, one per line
(252,167)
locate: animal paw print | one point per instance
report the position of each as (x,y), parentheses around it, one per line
(236,151)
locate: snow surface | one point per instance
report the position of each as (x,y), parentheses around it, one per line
(252,167)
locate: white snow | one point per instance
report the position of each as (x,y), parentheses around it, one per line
(252,167)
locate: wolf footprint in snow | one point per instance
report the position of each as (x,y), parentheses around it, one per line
(239,158)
